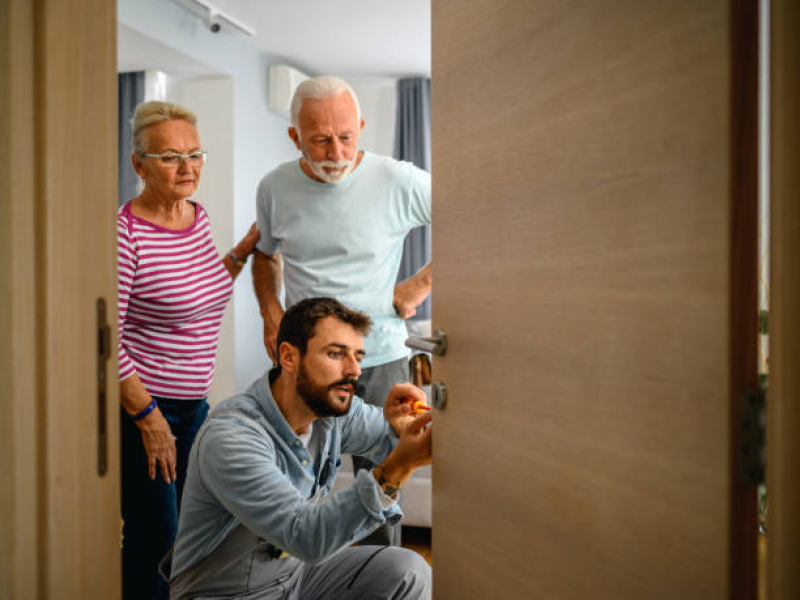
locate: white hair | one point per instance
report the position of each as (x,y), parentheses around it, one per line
(317,88)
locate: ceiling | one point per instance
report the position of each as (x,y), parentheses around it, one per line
(350,37)
(356,37)
(138,52)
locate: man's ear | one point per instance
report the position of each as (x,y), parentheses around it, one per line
(295,137)
(363,122)
(289,357)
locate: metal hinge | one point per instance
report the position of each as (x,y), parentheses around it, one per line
(751,445)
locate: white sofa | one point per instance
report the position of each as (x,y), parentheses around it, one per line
(415,497)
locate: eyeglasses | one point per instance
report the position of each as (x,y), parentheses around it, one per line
(173,159)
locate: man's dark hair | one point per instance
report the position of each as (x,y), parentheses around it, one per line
(299,322)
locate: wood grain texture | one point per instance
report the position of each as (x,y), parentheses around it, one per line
(582,265)
(77,179)
(57,257)
(783,405)
(20,458)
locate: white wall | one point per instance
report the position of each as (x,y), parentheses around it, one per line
(378,99)
(211,99)
(259,142)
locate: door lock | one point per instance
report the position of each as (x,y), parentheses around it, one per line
(439,395)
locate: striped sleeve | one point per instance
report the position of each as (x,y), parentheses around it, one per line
(126,271)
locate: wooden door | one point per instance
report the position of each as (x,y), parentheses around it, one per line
(594,246)
(59,454)
(783,427)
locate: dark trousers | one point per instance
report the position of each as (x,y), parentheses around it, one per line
(150,508)
(374,384)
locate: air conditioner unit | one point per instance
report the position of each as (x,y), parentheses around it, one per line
(283,81)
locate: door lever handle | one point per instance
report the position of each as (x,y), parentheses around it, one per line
(436,344)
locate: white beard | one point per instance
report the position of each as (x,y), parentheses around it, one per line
(318,168)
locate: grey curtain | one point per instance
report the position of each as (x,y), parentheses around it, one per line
(130,92)
(413,143)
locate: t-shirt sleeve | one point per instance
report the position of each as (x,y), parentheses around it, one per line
(419,197)
(267,244)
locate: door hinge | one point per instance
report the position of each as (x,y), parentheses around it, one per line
(752,434)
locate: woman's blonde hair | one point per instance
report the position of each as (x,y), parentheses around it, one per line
(150,113)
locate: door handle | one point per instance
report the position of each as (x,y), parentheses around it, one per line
(103,332)
(436,344)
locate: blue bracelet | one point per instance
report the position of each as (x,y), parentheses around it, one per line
(145,411)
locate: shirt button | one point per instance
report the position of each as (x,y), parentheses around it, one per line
(305,462)
(297,442)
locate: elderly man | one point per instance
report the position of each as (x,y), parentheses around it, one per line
(338,217)
(258,519)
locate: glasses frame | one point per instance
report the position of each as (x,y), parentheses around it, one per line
(182,157)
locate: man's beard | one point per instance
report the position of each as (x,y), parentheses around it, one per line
(318,397)
(318,170)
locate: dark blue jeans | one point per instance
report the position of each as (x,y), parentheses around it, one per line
(150,508)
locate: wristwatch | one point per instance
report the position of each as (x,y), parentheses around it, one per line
(238,261)
(390,488)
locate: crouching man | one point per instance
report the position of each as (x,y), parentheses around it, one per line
(258,519)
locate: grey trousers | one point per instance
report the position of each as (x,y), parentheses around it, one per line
(368,573)
(374,385)
(241,568)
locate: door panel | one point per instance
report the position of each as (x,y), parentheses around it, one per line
(77,178)
(783,449)
(58,206)
(582,267)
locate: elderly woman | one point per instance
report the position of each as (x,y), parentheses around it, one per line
(173,289)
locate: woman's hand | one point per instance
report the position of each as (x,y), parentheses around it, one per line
(248,243)
(159,443)
(241,251)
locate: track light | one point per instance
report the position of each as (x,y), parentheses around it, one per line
(215,19)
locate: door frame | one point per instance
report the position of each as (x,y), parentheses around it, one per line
(783,398)
(58,174)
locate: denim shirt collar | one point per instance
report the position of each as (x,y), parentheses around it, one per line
(261,391)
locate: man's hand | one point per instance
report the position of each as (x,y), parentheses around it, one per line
(159,443)
(267,280)
(412,451)
(409,294)
(397,410)
(271,325)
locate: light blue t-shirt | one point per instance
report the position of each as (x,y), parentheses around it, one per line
(345,240)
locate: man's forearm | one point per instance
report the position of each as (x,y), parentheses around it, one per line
(267,281)
(392,475)
(424,278)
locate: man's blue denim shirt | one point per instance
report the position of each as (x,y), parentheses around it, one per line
(248,467)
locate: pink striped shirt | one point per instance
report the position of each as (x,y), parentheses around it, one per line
(173,289)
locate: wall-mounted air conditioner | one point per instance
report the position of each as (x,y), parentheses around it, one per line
(283,80)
